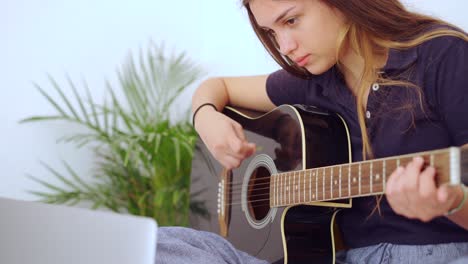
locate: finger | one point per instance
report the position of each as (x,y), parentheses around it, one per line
(391,187)
(411,180)
(249,147)
(394,192)
(240,148)
(427,185)
(230,162)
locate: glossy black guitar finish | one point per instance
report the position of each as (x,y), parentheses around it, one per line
(289,138)
(274,206)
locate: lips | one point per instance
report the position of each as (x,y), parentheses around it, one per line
(301,61)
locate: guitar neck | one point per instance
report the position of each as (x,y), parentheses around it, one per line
(361,178)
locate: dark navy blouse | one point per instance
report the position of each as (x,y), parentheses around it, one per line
(397,125)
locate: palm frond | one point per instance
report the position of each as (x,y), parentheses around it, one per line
(143,158)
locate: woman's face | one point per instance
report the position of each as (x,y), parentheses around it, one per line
(306,31)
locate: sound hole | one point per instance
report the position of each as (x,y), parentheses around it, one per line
(259,193)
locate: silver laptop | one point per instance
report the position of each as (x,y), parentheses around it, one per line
(39,233)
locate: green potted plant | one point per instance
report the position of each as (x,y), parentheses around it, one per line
(143,154)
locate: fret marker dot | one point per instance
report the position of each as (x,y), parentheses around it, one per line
(313,196)
(354,179)
(377,176)
(336,182)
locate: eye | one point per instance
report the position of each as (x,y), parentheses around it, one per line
(291,21)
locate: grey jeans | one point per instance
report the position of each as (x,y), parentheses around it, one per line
(178,245)
(453,253)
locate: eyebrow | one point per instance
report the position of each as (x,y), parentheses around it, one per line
(282,15)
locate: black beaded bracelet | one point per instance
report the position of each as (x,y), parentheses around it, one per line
(198,108)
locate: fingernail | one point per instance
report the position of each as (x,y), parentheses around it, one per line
(419,160)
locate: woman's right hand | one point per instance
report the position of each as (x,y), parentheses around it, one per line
(224,137)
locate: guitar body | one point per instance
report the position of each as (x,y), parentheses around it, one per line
(237,202)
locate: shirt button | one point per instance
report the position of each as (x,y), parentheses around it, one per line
(375,87)
(368,114)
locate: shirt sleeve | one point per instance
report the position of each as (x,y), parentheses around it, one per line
(285,88)
(452,89)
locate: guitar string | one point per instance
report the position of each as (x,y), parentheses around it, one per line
(299,181)
(265,181)
(318,171)
(289,203)
(291,197)
(268,185)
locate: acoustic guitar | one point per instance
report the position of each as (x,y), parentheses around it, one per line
(281,203)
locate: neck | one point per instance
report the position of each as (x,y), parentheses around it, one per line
(353,68)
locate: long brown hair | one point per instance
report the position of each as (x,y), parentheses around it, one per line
(373,28)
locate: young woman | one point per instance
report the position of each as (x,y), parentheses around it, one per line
(399,79)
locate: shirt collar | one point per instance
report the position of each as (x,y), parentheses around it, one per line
(330,81)
(399,60)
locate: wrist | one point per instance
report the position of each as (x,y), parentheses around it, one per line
(201,108)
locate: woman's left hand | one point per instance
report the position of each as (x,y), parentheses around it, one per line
(412,192)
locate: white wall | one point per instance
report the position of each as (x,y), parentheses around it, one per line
(90,39)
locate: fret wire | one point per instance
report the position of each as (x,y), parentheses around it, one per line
(285,186)
(384,176)
(349,180)
(331,183)
(359,179)
(432,160)
(276,186)
(316,186)
(277,189)
(274,191)
(294,188)
(298,187)
(371,176)
(323,183)
(310,186)
(281,189)
(284,189)
(340,182)
(304,187)
(289,190)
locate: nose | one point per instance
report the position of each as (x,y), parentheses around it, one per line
(286,43)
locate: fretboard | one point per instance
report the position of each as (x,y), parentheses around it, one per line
(357,179)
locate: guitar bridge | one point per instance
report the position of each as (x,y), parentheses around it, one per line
(224,202)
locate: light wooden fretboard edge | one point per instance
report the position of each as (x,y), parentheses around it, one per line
(455,172)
